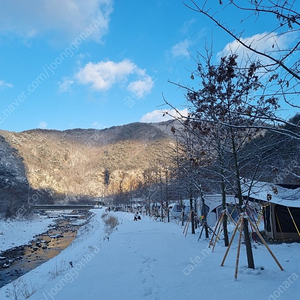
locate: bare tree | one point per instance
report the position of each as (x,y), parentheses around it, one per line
(281,63)
(226,106)
(188,155)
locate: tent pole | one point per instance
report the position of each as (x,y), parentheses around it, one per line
(293,221)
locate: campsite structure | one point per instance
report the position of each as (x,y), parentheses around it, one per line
(213,207)
(281,209)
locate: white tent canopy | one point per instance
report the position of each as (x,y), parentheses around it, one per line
(274,193)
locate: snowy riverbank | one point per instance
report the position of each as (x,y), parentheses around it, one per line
(147,259)
(17,233)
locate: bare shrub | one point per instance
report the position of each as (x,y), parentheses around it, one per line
(20,290)
(110,222)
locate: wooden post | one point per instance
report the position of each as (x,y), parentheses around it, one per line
(266,245)
(218,236)
(218,233)
(187,225)
(231,240)
(216,229)
(239,249)
(230,217)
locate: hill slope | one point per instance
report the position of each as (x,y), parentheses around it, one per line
(13,181)
(89,162)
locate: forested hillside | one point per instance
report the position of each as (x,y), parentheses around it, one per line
(13,181)
(92,163)
(123,162)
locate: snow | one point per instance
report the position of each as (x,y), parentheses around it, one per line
(16,233)
(149,259)
(215,200)
(276,194)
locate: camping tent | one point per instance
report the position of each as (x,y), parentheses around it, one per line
(281,209)
(213,207)
(176,209)
(214,204)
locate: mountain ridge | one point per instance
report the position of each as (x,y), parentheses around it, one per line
(74,162)
(117,162)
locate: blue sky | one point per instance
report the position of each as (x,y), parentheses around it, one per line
(94,64)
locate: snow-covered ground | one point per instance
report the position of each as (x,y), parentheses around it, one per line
(17,233)
(148,259)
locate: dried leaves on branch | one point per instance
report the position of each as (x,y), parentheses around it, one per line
(279,37)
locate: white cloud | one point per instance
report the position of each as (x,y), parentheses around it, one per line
(263,42)
(187,26)
(43,125)
(163,115)
(181,49)
(4,84)
(141,87)
(105,74)
(65,85)
(66,18)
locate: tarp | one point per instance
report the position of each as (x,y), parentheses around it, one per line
(285,220)
(280,203)
(273,193)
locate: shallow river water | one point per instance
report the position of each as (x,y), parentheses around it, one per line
(17,261)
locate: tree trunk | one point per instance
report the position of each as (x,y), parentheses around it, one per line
(225,231)
(240,197)
(226,240)
(195,210)
(206,230)
(167,198)
(192,213)
(204,217)
(248,242)
(182,210)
